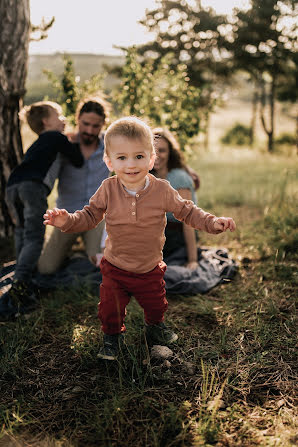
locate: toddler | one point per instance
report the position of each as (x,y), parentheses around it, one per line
(134,204)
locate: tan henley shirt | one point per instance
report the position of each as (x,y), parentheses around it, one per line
(135,225)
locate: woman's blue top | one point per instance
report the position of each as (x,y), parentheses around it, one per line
(180,179)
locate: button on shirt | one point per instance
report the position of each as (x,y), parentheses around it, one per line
(135,194)
(136,232)
(76,186)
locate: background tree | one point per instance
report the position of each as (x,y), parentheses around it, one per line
(262,44)
(288,93)
(15,21)
(163,95)
(196,35)
(14,41)
(70,90)
(40,32)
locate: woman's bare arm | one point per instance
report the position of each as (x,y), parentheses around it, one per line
(189,236)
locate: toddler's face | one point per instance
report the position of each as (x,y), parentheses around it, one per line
(130,160)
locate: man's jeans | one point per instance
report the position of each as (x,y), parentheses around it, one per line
(27,202)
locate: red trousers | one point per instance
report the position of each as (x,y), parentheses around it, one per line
(118,286)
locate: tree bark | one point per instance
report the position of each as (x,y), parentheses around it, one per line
(272,116)
(14,41)
(255,100)
(207,131)
(297,133)
(269,131)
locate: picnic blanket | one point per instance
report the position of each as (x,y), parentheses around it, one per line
(214,267)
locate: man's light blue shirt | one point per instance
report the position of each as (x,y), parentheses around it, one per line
(77,185)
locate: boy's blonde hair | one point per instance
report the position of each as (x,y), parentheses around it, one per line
(36,112)
(130,127)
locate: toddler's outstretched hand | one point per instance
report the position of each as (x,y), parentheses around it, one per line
(224,224)
(55,217)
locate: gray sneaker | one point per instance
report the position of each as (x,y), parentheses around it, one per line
(159,334)
(112,344)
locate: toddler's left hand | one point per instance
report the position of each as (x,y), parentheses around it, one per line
(224,224)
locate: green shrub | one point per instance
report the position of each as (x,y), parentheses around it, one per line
(238,135)
(286,139)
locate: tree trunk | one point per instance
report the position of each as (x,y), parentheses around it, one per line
(207,130)
(255,100)
(14,41)
(269,131)
(272,116)
(297,133)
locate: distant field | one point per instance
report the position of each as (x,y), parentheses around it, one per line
(236,110)
(85,66)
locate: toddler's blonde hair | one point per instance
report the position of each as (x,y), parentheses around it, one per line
(130,127)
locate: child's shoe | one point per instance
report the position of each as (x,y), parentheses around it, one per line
(159,334)
(112,344)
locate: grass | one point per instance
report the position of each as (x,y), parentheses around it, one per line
(231,381)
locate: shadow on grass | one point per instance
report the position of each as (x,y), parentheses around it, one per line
(54,386)
(230,379)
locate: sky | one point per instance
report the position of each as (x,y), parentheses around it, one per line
(97,26)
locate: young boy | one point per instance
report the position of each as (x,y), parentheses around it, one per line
(134,204)
(26,194)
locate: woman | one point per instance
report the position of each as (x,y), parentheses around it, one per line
(169,165)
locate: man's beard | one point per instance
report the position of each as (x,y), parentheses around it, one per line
(88,139)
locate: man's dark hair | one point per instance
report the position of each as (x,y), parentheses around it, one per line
(94,104)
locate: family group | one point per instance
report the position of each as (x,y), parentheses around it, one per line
(130,181)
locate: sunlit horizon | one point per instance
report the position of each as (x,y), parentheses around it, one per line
(98,29)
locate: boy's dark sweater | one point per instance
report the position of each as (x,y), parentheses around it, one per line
(41,154)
